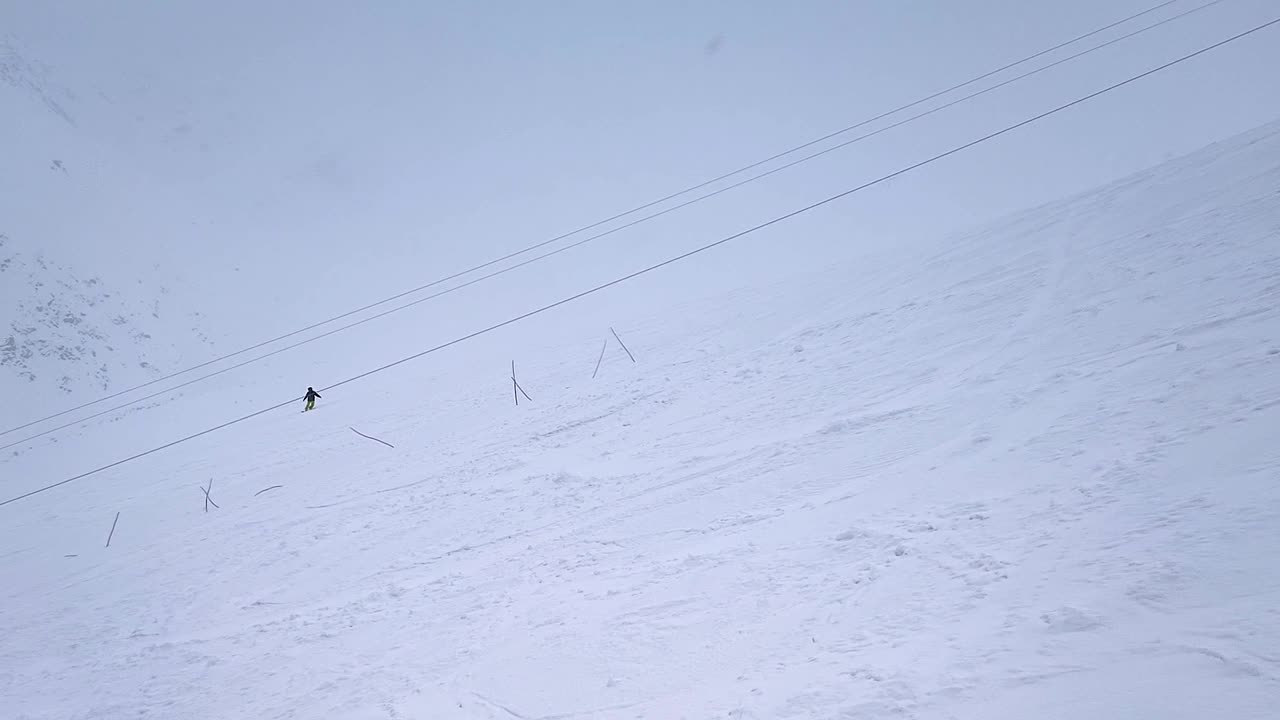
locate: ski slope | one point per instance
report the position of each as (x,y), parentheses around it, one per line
(1023,472)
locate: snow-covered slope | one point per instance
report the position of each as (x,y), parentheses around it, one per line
(1023,472)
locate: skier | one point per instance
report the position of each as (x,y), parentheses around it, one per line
(310,397)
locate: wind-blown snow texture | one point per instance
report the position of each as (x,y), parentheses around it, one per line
(1029,472)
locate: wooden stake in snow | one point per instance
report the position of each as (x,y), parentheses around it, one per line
(624,345)
(367,437)
(113,529)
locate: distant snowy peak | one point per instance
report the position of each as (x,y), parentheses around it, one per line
(61,330)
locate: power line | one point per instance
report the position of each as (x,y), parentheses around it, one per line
(677,258)
(572,233)
(615,229)
(619,228)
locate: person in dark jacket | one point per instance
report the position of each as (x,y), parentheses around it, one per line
(310,397)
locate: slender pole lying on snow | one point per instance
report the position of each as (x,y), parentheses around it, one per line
(367,437)
(624,345)
(601,358)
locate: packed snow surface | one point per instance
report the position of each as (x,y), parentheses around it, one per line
(1030,471)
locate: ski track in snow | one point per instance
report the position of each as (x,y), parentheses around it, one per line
(1030,473)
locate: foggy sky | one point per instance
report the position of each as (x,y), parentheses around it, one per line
(286,161)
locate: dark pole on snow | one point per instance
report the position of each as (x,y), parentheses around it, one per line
(113,529)
(370,437)
(601,358)
(208,500)
(624,345)
(516,389)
